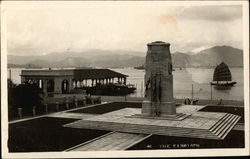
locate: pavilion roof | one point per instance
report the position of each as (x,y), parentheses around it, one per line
(96,74)
(78,74)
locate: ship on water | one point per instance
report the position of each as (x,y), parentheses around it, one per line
(222,77)
(141,67)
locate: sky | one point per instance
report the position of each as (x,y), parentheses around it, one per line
(38,28)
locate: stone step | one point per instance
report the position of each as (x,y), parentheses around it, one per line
(220,129)
(226,124)
(114,141)
(224,133)
(219,122)
(172,131)
(222,123)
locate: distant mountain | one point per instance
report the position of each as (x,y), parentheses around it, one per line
(91,58)
(109,59)
(23,66)
(214,56)
(118,61)
(180,59)
(210,57)
(71,62)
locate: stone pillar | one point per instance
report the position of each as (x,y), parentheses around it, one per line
(40,84)
(84,101)
(46,107)
(23,79)
(77,84)
(45,87)
(70,85)
(158,77)
(34,110)
(20,114)
(58,85)
(67,104)
(76,102)
(57,106)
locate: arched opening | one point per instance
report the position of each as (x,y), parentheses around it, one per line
(65,86)
(50,86)
(40,83)
(74,83)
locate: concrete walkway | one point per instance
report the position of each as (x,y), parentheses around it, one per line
(71,115)
(110,142)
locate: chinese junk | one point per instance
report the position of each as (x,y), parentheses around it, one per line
(222,77)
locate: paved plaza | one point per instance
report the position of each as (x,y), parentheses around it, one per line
(208,125)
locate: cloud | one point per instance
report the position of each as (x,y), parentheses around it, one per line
(169,20)
(211,12)
(121,27)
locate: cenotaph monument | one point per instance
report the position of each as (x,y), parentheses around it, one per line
(159,101)
(158,79)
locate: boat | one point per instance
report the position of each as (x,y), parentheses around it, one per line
(222,77)
(142,67)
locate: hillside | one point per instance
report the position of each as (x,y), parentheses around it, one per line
(110,59)
(213,56)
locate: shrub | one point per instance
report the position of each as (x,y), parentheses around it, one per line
(26,96)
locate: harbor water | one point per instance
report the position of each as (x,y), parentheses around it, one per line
(200,78)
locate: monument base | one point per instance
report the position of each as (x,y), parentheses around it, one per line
(165,109)
(179,116)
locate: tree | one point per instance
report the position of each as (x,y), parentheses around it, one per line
(11,86)
(26,96)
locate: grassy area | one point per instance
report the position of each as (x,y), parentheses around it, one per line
(47,134)
(105,108)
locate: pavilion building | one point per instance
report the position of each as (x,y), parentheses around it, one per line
(62,81)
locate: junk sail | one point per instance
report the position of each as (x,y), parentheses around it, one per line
(222,73)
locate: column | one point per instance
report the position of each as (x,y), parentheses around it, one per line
(58,85)
(45,87)
(23,79)
(70,85)
(40,84)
